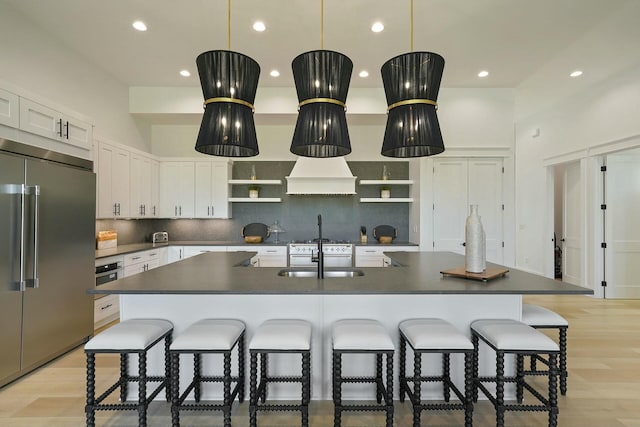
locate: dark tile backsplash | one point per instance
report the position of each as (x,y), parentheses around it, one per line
(342,215)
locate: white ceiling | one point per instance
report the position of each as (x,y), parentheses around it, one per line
(520,42)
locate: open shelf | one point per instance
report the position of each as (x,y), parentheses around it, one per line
(255,181)
(255,200)
(386,181)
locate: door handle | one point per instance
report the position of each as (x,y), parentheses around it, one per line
(60,128)
(36,221)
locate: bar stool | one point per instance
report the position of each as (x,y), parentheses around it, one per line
(435,336)
(363,336)
(208,336)
(272,337)
(506,336)
(134,336)
(543,318)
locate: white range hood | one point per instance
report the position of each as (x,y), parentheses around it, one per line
(321,176)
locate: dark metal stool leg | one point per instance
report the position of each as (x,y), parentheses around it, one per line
(197,376)
(241,368)
(253,396)
(142,389)
(519,378)
(90,409)
(167,368)
(563,360)
(417,385)
(379,377)
(123,376)
(468,389)
(306,387)
(227,390)
(402,375)
(475,374)
(446,376)
(337,389)
(264,373)
(553,391)
(499,389)
(175,389)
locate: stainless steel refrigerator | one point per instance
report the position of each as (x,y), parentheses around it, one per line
(47,253)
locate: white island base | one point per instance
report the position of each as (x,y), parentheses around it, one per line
(322,310)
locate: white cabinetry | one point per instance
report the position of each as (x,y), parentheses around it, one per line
(211,190)
(9,109)
(190,251)
(143,200)
(373,256)
(177,180)
(44,121)
(113,181)
(139,262)
(175,253)
(268,256)
(105,310)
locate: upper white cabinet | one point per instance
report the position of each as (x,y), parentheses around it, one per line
(113,181)
(177,194)
(44,121)
(212,189)
(9,109)
(144,197)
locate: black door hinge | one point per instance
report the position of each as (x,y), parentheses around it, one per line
(604,283)
(603,207)
(603,245)
(603,168)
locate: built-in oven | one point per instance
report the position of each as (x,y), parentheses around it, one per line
(335,254)
(108,269)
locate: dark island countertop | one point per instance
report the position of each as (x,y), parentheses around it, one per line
(417,273)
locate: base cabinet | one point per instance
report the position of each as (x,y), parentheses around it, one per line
(106,310)
(139,262)
(373,256)
(267,256)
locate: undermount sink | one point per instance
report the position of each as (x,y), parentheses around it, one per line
(307,272)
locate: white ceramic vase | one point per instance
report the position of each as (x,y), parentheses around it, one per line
(474,253)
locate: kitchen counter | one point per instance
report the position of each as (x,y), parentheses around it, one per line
(137,247)
(216,285)
(418,273)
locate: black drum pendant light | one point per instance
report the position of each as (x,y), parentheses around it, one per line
(411,84)
(322,81)
(229,82)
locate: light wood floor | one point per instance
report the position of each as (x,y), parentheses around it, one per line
(604,384)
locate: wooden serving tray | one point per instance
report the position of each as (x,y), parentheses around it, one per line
(488,274)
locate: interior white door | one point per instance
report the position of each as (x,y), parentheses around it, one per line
(485,190)
(623,225)
(450,207)
(572,241)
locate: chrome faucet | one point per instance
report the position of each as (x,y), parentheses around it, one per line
(319,257)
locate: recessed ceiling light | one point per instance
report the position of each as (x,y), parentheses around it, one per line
(140,26)
(275,73)
(259,26)
(377,27)
(185,73)
(364,73)
(483,73)
(576,73)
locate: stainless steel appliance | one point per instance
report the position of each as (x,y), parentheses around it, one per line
(160,237)
(47,254)
(108,269)
(336,253)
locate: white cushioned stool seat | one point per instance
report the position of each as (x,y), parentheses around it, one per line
(209,334)
(282,334)
(132,334)
(361,334)
(534,315)
(507,334)
(434,334)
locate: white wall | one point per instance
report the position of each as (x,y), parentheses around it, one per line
(593,122)
(32,60)
(469,118)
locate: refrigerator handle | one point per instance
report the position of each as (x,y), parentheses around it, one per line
(36,221)
(35,191)
(18,189)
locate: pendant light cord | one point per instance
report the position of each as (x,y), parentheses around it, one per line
(229,24)
(410,27)
(321,24)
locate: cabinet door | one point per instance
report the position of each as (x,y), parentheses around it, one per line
(221,208)
(154,205)
(40,120)
(203,189)
(113,182)
(9,109)
(177,194)
(76,132)
(140,186)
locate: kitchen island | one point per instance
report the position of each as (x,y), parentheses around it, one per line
(220,285)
